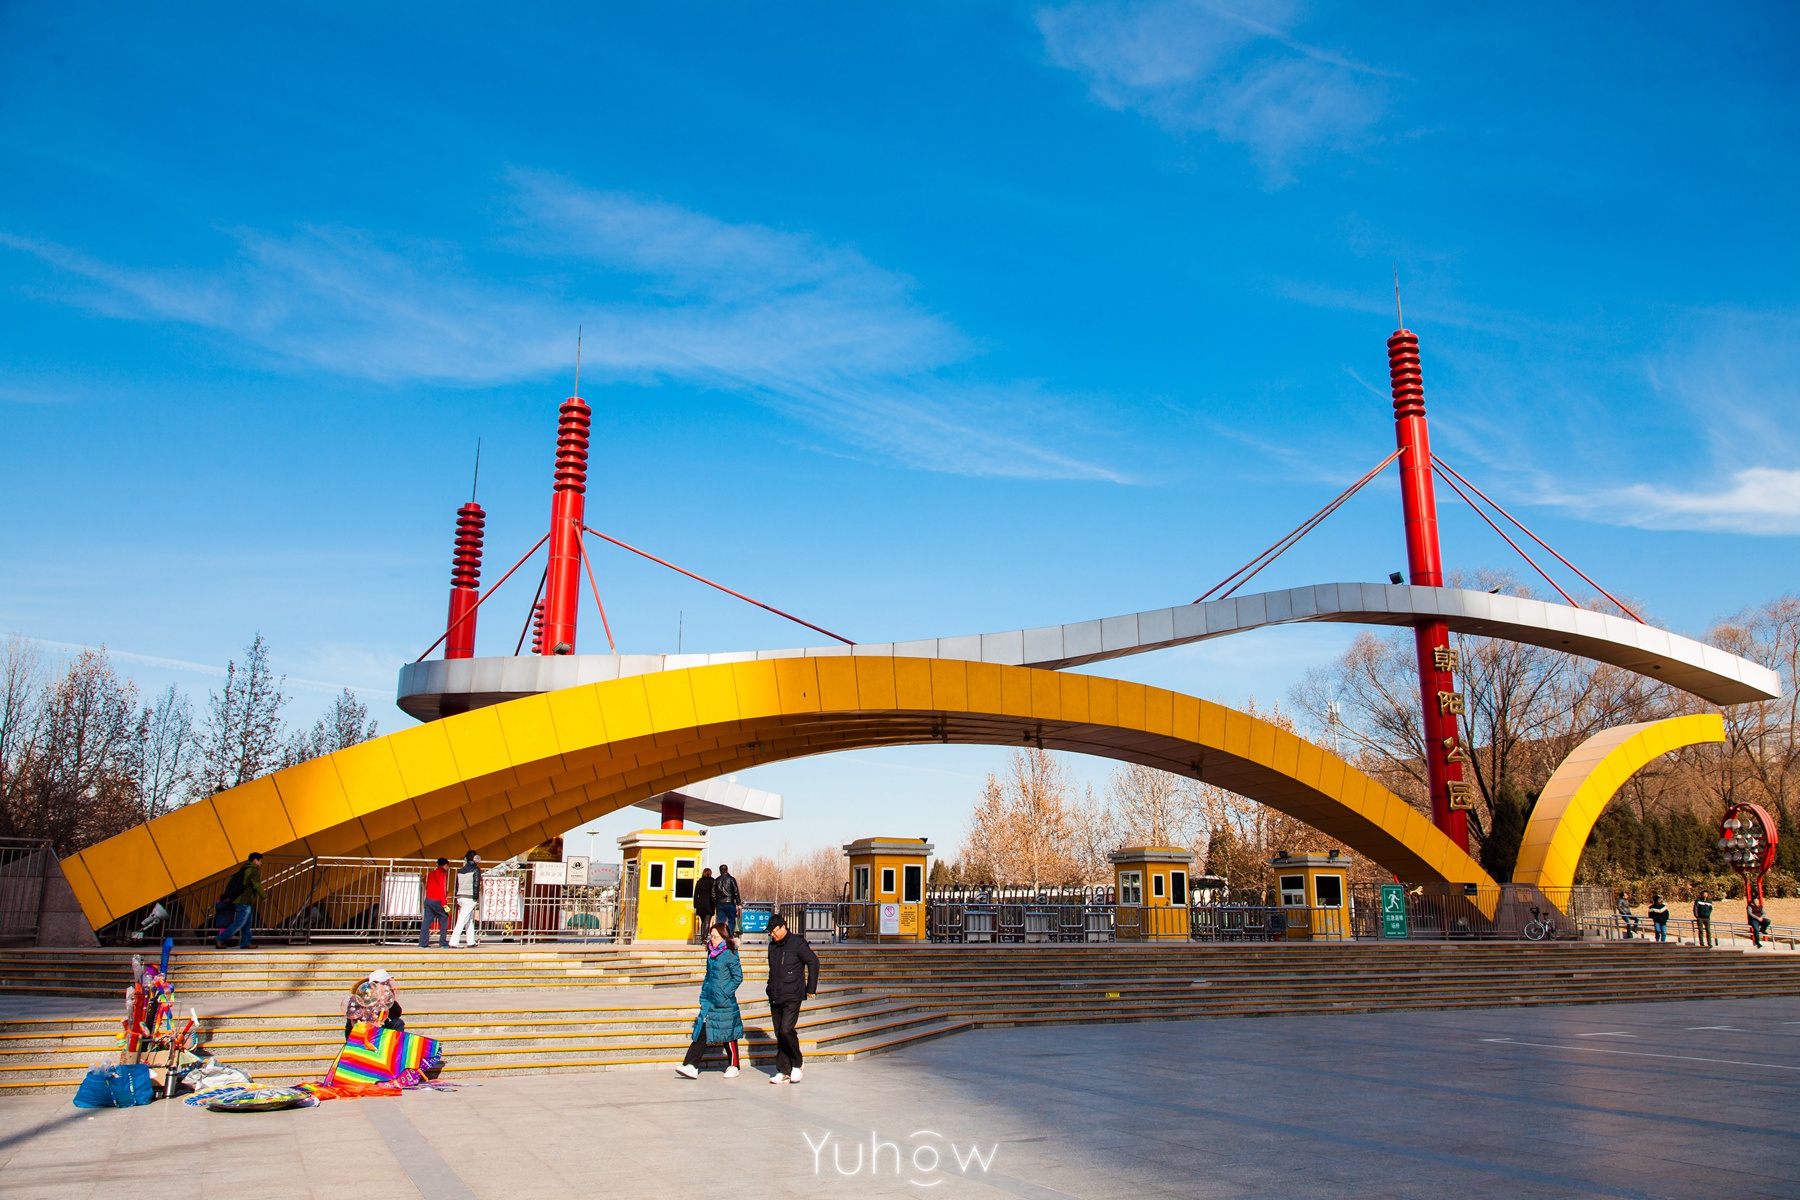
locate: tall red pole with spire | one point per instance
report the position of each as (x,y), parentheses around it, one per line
(1439,700)
(465,582)
(562,583)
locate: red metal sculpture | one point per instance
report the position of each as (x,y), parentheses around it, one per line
(562,585)
(1747,839)
(1440,702)
(465,582)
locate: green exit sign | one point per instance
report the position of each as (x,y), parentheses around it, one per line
(1393,911)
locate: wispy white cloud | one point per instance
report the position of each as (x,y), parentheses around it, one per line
(184,667)
(811,329)
(1234,70)
(1762,500)
(1731,377)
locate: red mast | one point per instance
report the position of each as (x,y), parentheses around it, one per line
(562,583)
(1440,702)
(465,582)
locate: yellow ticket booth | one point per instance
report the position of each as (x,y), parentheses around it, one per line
(887,888)
(1314,893)
(1151,892)
(656,883)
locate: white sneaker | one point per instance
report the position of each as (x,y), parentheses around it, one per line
(794,1075)
(778,1078)
(687,1072)
(731,1072)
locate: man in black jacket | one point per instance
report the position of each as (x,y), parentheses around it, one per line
(727,898)
(793,977)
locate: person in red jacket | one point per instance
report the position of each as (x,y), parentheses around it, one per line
(436,909)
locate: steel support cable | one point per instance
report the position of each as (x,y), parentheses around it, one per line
(1540,541)
(1507,540)
(483,599)
(1281,547)
(709,583)
(587,561)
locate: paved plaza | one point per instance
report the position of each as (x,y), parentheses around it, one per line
(1688,1099)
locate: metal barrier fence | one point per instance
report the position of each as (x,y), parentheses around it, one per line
(24,873)
(991,916)
(1440,911)
(1683,930)
(373,900)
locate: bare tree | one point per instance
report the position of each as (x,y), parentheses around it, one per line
(21,691)
(1156,808)
(1093,836)
(241,738)
(164,754)
(787,877)
(344,724)
(1022,829)
(1761,762)
(75,782)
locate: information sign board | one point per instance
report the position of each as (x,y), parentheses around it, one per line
(500,899)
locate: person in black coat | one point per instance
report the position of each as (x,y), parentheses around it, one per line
(705,902)
(793,977)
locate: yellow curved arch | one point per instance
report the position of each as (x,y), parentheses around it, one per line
(1582,785)
(501,779)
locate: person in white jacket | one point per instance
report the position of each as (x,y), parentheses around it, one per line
(468,898)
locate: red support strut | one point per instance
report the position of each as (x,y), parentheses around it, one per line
(465,582)
(562,584)
(1440,702)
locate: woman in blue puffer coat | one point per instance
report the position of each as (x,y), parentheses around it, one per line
(719,1022)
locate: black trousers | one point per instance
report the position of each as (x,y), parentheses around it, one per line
(786,1014)
(697,1050)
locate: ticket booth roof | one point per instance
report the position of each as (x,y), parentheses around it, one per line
(889,847)
(1152,854)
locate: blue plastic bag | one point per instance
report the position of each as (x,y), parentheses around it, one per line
(131,1086)
(96,1089)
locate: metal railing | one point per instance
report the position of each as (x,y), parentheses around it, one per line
(1683,930)
(24,873)
(373,900)
(1449,911)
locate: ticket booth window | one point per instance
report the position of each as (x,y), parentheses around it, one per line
(654,877)
(1328,890)
(1156,885)
(1177,887)
(887,881)
(1293,891)
(859,884)
(684,879)
(1131,887)
(914,876)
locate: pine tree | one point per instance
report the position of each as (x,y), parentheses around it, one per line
(1506,830)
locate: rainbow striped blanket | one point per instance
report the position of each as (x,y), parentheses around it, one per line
(376,1055)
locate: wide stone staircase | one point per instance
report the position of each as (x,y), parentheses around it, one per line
(506,1009)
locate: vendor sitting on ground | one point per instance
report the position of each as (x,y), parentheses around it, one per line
(373,1002)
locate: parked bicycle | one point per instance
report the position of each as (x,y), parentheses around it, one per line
(1539,927)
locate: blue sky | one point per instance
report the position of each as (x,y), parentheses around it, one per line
(921,320)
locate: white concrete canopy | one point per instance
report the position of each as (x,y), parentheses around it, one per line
(719,802)
(440,686)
